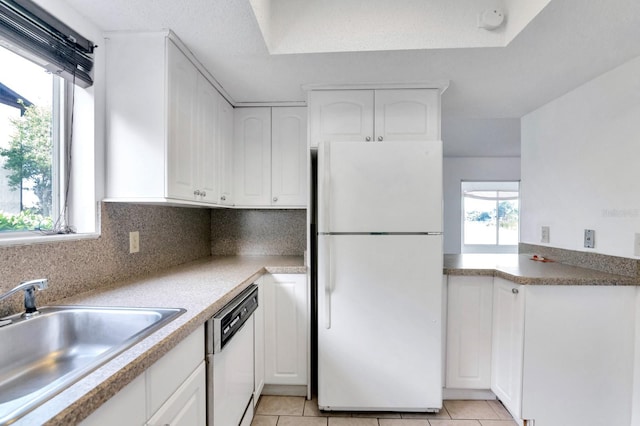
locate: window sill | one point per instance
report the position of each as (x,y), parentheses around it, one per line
(30,238)
(489,248)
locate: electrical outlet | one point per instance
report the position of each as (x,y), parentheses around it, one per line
(134,242)
(589,238)
(636,245)
(544,235)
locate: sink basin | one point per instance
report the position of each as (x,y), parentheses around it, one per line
(43,355)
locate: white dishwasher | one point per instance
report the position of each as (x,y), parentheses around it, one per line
(230,351)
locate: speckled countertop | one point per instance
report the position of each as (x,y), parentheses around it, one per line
(201,287)
(520,269)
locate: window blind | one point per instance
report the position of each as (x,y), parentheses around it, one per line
(47,40)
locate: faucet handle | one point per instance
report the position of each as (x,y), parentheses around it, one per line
(40,283)
(30,297)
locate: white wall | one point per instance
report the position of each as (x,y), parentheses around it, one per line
(581,165)
(457,169)
(480,137)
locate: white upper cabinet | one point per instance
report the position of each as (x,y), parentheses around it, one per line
(225,143)
(208,150)
(386,115)
(407,115)
(252,156)
(288,156)
(162,123)
(182,142)
(270,157)
(341,115)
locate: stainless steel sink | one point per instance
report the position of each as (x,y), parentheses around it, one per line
(43,355)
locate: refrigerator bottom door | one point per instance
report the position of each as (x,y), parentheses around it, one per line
(379,322)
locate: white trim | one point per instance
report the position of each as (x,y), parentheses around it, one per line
(477,394)
(34,237)
(441,85)
(270,104)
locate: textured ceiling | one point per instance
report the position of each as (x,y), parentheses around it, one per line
(567,44)
(313,26)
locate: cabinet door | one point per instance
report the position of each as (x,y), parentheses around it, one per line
(225,142)
(258,345)
(127,407)
(207,144)
(252,156)
(407,115)
(340,115)
(579,355)
(289,156)
(508,344)
(469,315)
(286,329)
(182,151)
(186,407)
(166,375)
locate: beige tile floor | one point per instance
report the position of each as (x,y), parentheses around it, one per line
(296,411)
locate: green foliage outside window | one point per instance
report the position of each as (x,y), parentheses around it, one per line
(28,159)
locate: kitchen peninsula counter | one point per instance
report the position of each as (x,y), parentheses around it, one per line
(201,287)
(521,269)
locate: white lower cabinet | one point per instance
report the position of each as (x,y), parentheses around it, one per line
(507,344)
(172,391)
(286,328)
(635,415)
(563,355)
(187,406)
(258,344)
(127,407)
(469,322)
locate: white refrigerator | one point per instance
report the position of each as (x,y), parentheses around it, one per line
(380,276)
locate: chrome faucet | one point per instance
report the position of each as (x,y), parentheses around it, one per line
(29,288)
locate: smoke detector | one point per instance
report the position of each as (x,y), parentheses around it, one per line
(491,19)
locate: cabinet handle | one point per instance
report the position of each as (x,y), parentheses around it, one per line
(380,138)
(275,199)
(223,198)
(368,139)
(515,291)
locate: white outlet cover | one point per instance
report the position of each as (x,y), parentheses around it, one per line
(134,242)
(544,234)
(636,245)
(589,238)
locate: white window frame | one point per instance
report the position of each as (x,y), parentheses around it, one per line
(487,186)
(87,171)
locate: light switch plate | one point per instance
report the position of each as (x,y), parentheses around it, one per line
(544,234)
(134,242)
(636,245)
(589,238)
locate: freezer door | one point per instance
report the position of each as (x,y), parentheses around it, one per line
(380,187)
(379,322)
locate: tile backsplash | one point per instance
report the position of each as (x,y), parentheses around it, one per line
(169,236)
(258,232)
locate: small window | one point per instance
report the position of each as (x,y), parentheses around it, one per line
(47,101)
(490,217)
(30,120)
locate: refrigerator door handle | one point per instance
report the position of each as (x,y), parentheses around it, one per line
(328,287)
(326,156)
